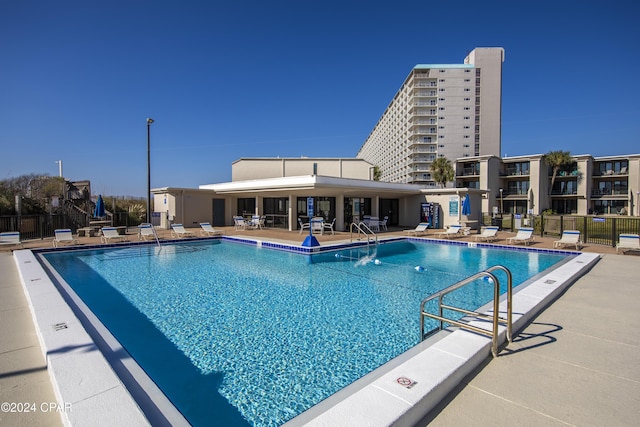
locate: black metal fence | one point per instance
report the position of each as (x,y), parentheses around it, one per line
(42,226)
(600,230)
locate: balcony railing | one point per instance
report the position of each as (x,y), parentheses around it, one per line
(609,192)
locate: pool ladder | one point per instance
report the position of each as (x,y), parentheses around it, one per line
(495,316)
(364,229)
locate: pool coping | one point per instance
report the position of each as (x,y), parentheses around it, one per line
(83,376)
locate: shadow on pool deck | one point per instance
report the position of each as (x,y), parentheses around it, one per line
(576,363)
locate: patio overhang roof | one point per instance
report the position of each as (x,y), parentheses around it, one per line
(317,184)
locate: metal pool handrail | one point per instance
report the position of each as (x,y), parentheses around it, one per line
(363,229)
(496,319)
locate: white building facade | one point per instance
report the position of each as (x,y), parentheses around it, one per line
(441,110)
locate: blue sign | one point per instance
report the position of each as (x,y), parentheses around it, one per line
(598,219)
(310,211)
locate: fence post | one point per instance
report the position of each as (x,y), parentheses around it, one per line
(584,227)
(613,231)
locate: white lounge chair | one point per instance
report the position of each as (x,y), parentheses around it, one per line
(110,234)
(489,234)
(146,231)
(454,230)
(63,236)
(303,225)
(328,226)
(208,230)
(239,223)
(178,230)
(524,235)
(10,238)
(420,230)
(569,238)
(629,242)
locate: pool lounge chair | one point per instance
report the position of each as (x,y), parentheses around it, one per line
(628,242)
(178,230)
(569,238)
(146,231)
(454,230)
(524,235)
(420,230)
(110,234)
(489,234)
(63,236)
(10,238)
(208,230)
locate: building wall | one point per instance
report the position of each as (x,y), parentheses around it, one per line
(450,110)
(260,168)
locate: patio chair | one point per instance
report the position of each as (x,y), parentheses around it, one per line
(178,230)
(110,234)
(454,230)
(208,230)
(524,235)
(63,236)
(146,231)
(420,230)
(317,225)
(629,242)
(383,223)
(328,226)
(10,238)
(489,234)
(257,221)
(303,225)
(569,238)
(239,223)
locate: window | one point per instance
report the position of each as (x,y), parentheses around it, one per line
(466,108)
(441,108)
(467,118)
(466,89)
(467,99)
(441,89)
(441,80)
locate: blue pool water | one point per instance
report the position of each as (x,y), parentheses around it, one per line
(252,336)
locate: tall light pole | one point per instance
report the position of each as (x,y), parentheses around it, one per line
(501,204)
(149,121)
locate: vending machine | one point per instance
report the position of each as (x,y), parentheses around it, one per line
(430,212)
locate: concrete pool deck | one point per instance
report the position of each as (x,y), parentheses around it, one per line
(600,357)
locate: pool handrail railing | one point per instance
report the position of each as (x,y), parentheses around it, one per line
(495,317)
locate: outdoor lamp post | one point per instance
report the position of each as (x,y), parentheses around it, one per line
(638,204)
(501,203)
(149,121)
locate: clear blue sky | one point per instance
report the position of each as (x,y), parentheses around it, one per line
(225,80)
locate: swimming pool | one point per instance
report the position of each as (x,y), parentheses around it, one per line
(250,336)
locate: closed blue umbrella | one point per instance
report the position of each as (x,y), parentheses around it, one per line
(466,206)
(99,210)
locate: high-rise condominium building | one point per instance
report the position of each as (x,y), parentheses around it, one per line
(441,110)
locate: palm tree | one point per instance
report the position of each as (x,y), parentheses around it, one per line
(442,171)
(377,173)
(557,160)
